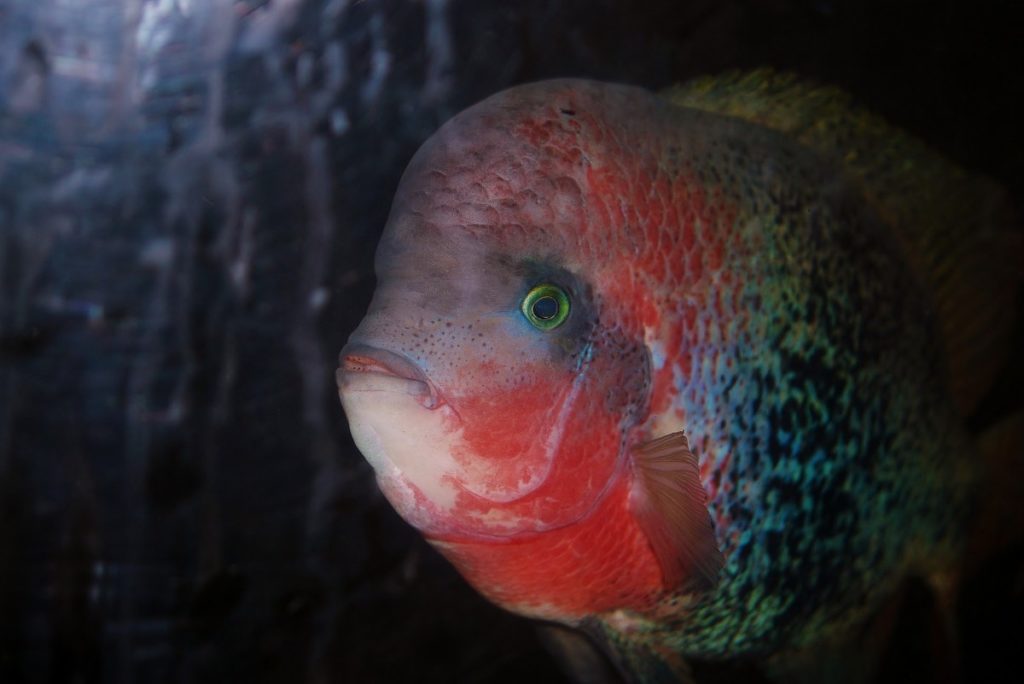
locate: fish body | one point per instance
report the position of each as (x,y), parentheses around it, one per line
(743,435)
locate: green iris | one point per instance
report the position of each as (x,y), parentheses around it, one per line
(546,306)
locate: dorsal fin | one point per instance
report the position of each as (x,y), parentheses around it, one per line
(957,229)
(671,506)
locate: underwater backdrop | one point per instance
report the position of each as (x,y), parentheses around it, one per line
(191,193)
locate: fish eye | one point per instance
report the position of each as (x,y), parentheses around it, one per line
(546,306)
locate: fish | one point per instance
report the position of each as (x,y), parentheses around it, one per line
(685,372)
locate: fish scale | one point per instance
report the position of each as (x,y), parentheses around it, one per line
(789,375)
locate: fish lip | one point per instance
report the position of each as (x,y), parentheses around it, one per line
(364,358)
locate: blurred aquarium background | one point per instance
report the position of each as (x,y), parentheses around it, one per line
(190,196)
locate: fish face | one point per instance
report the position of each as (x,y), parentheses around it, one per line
(465,403)
(483,385)
(501,377)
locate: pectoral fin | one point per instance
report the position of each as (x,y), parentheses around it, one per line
(670,504)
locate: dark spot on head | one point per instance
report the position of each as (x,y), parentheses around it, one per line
(568,112)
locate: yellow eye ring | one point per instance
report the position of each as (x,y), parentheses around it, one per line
(546,306)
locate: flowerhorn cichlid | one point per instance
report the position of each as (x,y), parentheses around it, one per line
(686,372)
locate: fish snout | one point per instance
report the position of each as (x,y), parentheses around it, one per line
(364,368)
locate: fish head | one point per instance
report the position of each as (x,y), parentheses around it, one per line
(490,385)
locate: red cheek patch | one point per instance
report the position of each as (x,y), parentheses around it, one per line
(526,432)
(501,423)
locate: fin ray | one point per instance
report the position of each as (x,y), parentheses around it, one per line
(671,506)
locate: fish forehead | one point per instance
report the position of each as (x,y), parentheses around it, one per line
(596,175)
(541,119)
(515,166)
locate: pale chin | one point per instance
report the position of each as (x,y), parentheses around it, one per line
(411,450)
(408,445)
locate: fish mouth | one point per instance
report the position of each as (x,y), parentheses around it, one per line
(363,368)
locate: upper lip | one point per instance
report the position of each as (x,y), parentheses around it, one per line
(363,358)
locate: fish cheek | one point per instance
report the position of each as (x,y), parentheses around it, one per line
(516,402)
(507,436)
(614,396)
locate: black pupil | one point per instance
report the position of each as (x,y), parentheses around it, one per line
(545,308)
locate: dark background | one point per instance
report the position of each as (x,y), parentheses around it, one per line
(190,196)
